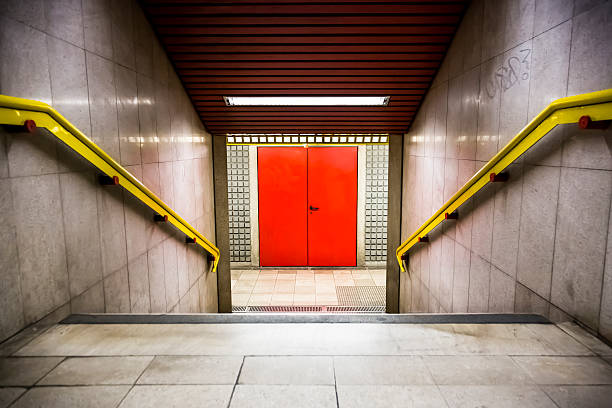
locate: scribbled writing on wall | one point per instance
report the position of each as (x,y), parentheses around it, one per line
(511,72)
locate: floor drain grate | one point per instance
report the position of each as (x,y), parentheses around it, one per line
(356,309)
(309,309)
(361,295)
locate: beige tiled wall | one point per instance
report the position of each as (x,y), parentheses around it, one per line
(65,242)
(537,243)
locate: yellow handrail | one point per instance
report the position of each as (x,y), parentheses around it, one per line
(20,112)
(596,105)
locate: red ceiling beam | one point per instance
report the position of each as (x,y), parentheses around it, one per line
(302,49)
(313,9)
(305,91)
(307,64)
(304,129)
(304,30)
(307,39)
(246,80)
(306,21)
(274,73)
(338,86)
(309,57)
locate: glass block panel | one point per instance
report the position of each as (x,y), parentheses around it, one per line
(376,202)
(238,197)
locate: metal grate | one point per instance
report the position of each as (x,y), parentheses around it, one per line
(361,295)
(309,309)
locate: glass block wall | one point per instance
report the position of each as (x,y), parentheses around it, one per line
(377,157)
(238,203)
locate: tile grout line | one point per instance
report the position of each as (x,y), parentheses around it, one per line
(136,381)
(229,403)
(433,379)
(28,388)
(333,359)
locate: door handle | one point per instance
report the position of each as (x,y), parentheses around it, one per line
(314,208)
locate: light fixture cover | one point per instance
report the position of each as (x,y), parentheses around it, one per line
(306,100)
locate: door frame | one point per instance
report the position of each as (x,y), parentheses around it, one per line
(360,174)
(395,173)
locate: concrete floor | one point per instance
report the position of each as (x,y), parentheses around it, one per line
(307,365)
(289,287)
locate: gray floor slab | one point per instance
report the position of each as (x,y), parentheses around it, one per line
(284,370)
(9,394)
(590,341)
(583,396)
(498,396)
(390,396)
(97,371)
(294,339)
(184,396)
(282,396)
(72,397)
(192,370)
(579,342)
(566,370)
(25,371)
(379,370)
(476,370)
(308,365)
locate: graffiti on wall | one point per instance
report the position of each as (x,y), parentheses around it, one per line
(514,70)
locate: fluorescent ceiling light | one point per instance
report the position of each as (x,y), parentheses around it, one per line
(306,100)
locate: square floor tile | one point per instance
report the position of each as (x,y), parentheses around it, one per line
(304,299)
(390,396)
(97,371)
(192,370)
(281,299)
(25,371)
(263,289)
(284,396)
(326,300)
(305,290)
(183,396)
(566,370)
(476,370)
(498,396)
(583,396)
(242,290)
(240,299)
(73,397)
(381,370)
(8,395)
(284,288)
(260,299)
(280,370)
(364,282)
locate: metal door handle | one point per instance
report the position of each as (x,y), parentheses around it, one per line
(313,208)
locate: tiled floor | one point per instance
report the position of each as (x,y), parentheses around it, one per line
(284,287)
(308,365)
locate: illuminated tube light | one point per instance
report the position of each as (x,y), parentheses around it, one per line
(306,100)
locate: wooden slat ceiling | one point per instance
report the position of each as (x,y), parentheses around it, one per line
(308,47)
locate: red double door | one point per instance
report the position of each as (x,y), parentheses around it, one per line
(307,206)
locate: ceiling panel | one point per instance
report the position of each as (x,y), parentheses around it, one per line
(308,47)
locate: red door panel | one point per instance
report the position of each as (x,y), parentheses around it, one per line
(281,173)
(332,188)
